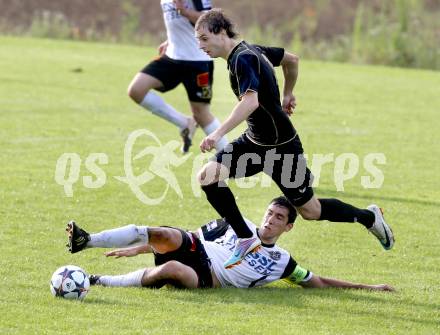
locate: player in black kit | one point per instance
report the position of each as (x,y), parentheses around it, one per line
(271,142)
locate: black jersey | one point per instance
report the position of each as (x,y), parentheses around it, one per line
(251,69)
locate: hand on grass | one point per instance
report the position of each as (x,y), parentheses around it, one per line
(383,287)
(118,253)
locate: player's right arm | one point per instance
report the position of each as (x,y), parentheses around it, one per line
(162,48)
(130,252)
(247,75)
(192,14)
(246,106)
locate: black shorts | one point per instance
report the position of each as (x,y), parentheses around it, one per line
(191,253)
(196,76)
(284,163)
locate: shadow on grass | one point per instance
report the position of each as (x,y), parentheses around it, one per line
(105,300)
(296,298)
(415,312)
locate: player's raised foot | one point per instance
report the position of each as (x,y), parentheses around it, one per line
(381,229)
(94,279)
(243,246)
(78,237)
(187,135)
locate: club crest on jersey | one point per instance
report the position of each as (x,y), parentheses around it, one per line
(275,255)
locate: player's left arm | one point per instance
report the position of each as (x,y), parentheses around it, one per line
(307,279)
(289,64)
(191,14)
(321,282)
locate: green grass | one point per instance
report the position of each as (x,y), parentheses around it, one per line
(46,109)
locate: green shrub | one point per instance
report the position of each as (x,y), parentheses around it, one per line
(401,33)
(396,32)
(50,24)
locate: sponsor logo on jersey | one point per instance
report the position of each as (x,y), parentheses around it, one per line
(260,263)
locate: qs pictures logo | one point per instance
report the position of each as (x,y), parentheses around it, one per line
(163,158)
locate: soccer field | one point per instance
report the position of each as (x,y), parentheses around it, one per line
(61,97)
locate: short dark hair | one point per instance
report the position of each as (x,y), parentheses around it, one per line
(282,201)
(215,21)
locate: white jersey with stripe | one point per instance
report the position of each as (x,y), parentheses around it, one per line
(182,43)
(270,263)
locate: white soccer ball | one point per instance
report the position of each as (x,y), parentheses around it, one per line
(70,282)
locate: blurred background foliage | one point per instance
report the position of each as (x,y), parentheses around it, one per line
(403,33)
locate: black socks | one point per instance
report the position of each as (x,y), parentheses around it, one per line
(221,198)
(338,211)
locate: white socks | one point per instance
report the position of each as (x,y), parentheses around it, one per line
(130,279)
(155,104)
(210,128)
(119,237)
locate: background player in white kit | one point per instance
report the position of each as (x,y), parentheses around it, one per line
(195,260)
(180,61)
